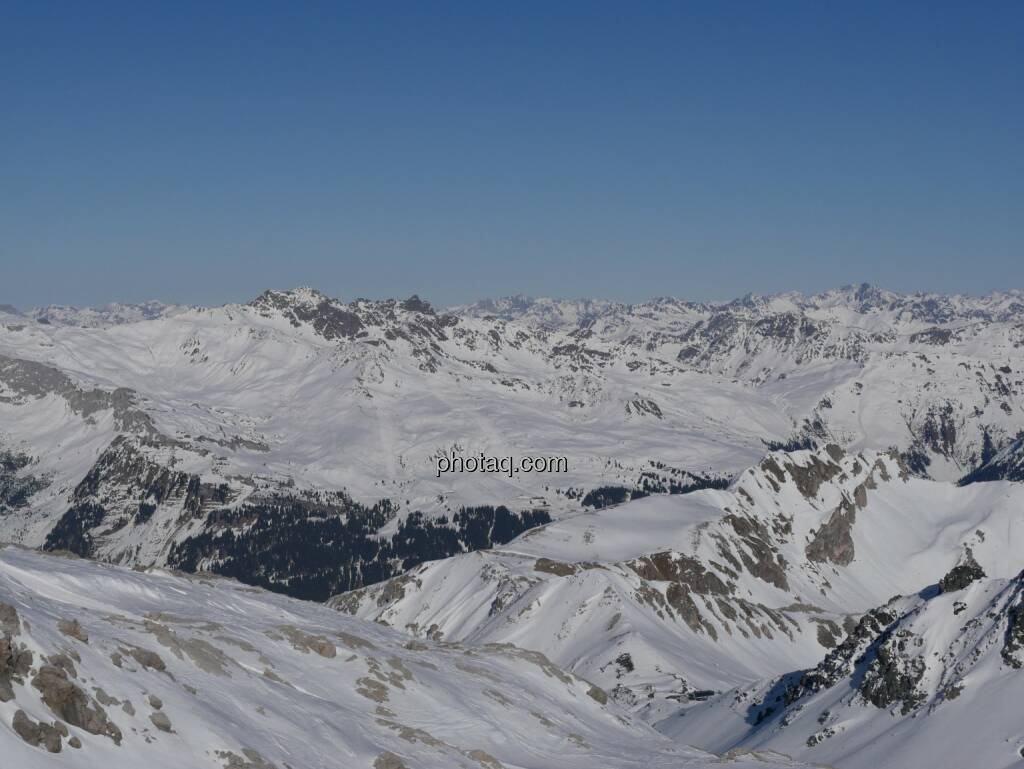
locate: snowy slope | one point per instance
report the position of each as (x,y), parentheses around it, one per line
(116,668)
(662,598)
(929,680)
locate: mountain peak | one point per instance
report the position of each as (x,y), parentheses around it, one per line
(303,295)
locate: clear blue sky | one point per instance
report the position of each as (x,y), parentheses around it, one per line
(202,152)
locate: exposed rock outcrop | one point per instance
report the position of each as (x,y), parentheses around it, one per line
(962,575)
(37,734)
(70,703)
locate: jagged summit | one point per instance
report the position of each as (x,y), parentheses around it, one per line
(307,297)
(301,295)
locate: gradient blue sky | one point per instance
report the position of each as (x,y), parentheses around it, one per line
(202,152)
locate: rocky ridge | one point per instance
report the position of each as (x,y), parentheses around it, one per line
(923,678)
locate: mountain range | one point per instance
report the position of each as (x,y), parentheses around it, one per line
(156,435)
(749,484)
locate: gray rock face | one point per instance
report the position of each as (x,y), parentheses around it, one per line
(37,734)
(388,760)
(29,379)
(73,629)
(894,674)
(1013,644)
(160,720)
(14,664)
(15,659)
(684,569)
(542,564)
(9,623)
(809,479)
(329,318)
(763,559)
(147,658)
(962,575)
(252,760)
(70,703)
(833,542)
(843,659)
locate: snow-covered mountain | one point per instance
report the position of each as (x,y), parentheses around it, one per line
(292,441)
(664,600)
(675,576)
(933,679)
(115,668)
